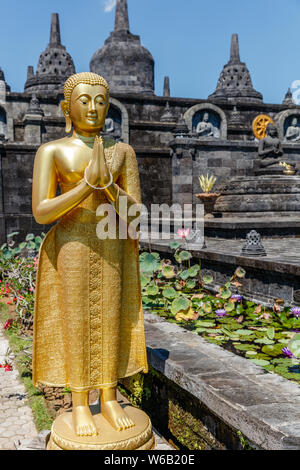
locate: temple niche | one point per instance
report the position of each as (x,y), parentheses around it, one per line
(116,122)
(113,124)
(206,121)
(3,124)
(292,129)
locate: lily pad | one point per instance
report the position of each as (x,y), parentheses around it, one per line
(179,304)
(169,293)
(260,362)
(185,255)
(149,262)
(168,272)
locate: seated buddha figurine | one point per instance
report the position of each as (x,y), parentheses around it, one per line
(293,132)
(205,128)
(270,151)
(88,323)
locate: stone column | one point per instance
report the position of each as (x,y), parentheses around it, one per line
(33,129)
(182,175)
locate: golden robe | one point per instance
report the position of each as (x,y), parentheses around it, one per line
(88,320)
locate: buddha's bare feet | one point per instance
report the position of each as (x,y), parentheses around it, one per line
(115,415)
(83,421)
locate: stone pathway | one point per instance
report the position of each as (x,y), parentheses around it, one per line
(16,418)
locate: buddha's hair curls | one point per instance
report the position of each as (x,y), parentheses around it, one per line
(88,78)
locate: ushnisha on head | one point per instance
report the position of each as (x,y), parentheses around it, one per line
(86,103)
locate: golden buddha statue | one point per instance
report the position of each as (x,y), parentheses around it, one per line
(88,323)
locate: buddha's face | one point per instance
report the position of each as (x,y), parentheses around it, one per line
(271,130)
(88,108)
(294,122)
(205,117)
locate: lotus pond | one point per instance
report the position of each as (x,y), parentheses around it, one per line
(179,291)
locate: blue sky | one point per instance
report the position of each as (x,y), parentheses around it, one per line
(189,40)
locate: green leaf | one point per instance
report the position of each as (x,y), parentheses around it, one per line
(205,324)
(185,255)
(207,278)
(149,262)
(12,234)
(22,245)
(260,362)
(169,293)
(251,353)
(38,240)
(145,279)
(272,350)
(31,245)
(190,284)
(294,345)
(179,304)
(174,245)
(147,301)
(207,307)
(152,289)
(193,270)
(225,294)
(184,275)
(29,237)
(229,307)
(264,341)
(168,272)
(271,333)
(7,253)
(244,332)
(240,272)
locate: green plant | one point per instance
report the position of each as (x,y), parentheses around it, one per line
(207,182)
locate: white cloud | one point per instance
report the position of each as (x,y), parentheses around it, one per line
(109,5)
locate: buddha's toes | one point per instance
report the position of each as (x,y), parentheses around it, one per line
(83,421)
(116,416)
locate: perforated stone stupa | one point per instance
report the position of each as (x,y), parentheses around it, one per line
(235,80)
(55,64)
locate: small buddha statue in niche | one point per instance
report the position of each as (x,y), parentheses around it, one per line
(205,128)
(293,131)
(109,125)
(88,322)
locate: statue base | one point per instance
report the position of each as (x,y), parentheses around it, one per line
(139,437)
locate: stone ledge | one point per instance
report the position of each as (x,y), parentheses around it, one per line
(231,258)
(263,406)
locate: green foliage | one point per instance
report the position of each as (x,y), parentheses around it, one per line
(178,293)
(149,262)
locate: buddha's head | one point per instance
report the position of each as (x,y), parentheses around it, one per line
(206,117)
(271,130)
(86,103)
(294,122)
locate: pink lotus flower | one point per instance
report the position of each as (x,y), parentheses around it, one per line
(183,233)
(7,368)
(31,289)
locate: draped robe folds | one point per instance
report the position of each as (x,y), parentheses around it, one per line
(88,320)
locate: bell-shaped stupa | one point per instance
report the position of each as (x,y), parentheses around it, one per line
(123,61)
(235,81)
(54,67)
